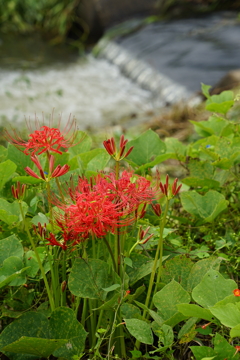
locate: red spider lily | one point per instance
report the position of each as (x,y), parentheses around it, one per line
(18,191)
(169,191)
(53,241)
(44,138)
(40,230)
(102,204)
(129,190)
(93,213)
(142,235)
(110,146)
(58,171)
(157,209)
(236,292)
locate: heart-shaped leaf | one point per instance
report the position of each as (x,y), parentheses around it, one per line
(207,207)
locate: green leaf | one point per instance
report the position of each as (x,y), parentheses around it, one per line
(129,311)
(30,324)
(207,207)
(201,352)
(7,169)
(165,334)
(228,314)
(29,180)
(88,278)
(35,346)
(140,330)
(99,162)
(10,279)
(3,153)
(112,287)
(213,288)
(222,108)
(199,269)
(177,268)
(220,103)
(141,267)
(146,148)
(166,300)
(187,327)
(19,158)
(176,147)
(13,265)
(83,144)
(223,348)
(214,126)
(64,325)
(192,310)
(10,246)
(158,160)
(10,212)
(86,157)
(175,319)
(196,182)
(33,333)
(205,90)
(40,218)
(235,331)
(201,169)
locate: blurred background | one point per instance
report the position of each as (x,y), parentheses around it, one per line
(114,64)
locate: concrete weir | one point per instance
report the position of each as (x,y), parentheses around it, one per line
(162,87)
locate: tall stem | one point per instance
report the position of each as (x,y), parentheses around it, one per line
(64,278)
(157,259)
(50,297)
(162,225)
(111,253)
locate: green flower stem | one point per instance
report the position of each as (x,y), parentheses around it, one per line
(92,323)
(64,278)
(56,284)
(158,259)
(60,189)
(84,312)
(162,225)
(50,297)
(111,253)
(93,247)
(49,202)
(99,319)
(50,260)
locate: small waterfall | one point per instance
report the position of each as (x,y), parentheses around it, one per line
(163,88)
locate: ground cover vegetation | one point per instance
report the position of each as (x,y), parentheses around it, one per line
(102,257)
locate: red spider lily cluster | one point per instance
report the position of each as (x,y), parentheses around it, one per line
(99,208)
(95,207)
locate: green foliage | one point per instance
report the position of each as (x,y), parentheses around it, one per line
(34,334)
(154,278)
(91,279)
(52,17)
(140,330)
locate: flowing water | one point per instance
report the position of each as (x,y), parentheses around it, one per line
(92,90)
(136,74)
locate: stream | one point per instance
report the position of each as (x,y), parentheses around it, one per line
(36,78)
